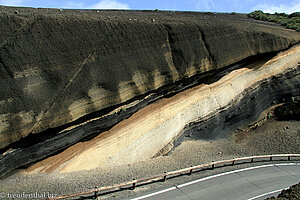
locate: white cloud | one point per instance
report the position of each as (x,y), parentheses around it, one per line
(109,4)
(209,4)
(294,7)
(204,4)
(103,4)
(74,5)
(11,2)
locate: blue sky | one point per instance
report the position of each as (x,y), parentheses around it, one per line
(242,6)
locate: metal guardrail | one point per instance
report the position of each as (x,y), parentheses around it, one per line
(163,177)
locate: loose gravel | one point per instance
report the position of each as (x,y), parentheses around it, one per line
(273,137)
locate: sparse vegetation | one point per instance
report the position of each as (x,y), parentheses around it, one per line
(291,21)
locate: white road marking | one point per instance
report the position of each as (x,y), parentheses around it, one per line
(256,197)
(226,173)
(214,176)
(155,193)
(288,164)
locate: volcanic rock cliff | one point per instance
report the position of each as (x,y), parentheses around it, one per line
(71,74)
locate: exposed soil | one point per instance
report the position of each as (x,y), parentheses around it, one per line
(292,193)
(288,111)
(59,68)
(272,137)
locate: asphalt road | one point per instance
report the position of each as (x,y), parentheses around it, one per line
(252,183)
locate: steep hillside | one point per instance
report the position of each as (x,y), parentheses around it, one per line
(59,69)
(206,112)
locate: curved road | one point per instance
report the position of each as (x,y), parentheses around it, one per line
(252,183)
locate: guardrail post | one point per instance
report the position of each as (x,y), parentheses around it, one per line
(271,158)
(96,192)
(133,184)
(232,162)
(165,177)
(191,171)
(252,159)
(213,166)
(289,158)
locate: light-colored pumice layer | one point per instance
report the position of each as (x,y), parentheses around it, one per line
(152,128)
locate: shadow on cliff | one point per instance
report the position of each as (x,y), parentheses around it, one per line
(288,111)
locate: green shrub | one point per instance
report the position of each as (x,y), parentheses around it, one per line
(295,14)
(291,21)
(281,14)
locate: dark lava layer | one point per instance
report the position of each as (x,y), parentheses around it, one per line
(279,89)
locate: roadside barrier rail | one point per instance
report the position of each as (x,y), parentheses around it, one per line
(164,176)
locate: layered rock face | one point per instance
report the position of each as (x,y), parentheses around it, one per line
(202,112)
(68,74)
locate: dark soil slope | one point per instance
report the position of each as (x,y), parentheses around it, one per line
(292,193)
(59,65)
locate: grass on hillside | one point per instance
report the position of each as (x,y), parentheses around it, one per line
(291,21)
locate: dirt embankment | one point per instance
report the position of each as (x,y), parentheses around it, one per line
(292,193)
(202,112)
(60,65)
(273,137)
(60,68)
